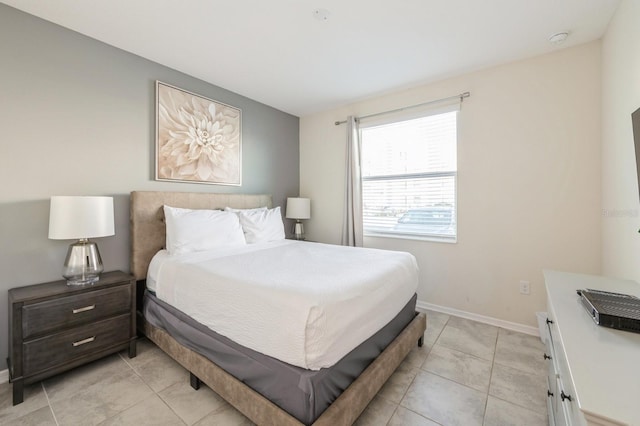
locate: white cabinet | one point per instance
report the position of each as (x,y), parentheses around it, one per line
(594,371)
(560,395)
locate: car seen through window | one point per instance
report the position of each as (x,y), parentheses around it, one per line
(426,220)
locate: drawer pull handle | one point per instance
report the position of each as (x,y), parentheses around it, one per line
(85,309)
(549,393)
(565,396)
(84,341)
(547,356)
(549,321)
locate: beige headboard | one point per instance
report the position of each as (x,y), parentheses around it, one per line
(147,218)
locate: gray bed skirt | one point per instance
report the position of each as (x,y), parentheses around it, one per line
(304,394)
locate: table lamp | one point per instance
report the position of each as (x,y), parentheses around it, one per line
(298,209)
(81,218)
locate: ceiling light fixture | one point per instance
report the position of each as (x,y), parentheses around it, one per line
(559,38)
(321,14)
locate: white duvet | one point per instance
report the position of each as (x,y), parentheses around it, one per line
(307,304)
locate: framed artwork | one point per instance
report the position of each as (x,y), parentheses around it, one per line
(198,140)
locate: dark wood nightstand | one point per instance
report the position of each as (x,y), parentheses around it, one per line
(54,327)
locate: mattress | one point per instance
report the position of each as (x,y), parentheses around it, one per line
(305,394)
(290,300)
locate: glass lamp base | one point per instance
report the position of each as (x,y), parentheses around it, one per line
(83,280)
(298,230)
(83,264)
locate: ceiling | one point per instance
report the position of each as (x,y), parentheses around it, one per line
(280,53)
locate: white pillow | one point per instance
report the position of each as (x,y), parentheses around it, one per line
(231,209)
(199,230)
(261,226)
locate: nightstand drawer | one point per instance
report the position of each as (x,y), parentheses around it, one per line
(49,351)
(44,317)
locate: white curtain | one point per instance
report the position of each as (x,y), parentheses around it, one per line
(352,219)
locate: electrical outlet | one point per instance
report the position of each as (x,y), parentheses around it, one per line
(525,287)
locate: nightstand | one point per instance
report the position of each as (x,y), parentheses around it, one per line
(54,327)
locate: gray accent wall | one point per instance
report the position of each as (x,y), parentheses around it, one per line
(77,117)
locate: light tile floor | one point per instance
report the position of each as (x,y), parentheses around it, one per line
(467,373)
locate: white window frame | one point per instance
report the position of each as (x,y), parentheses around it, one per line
(405,116)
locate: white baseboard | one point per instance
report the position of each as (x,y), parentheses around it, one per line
(527,329)
(4,376)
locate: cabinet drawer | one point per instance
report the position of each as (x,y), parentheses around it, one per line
(44,317)
(567,411)
(49,351)
(564,408)
(551,400)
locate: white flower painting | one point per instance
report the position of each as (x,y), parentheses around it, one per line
(197,139)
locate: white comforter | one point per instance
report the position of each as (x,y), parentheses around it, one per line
(307,304)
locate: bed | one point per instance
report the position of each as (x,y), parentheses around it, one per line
(166,328)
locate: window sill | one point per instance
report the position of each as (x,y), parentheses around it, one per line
(427,238)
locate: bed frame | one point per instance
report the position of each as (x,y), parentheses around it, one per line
(148,236)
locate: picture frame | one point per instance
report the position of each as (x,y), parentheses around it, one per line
(198,140)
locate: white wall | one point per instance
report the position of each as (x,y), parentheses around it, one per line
(528,181)
(621,96)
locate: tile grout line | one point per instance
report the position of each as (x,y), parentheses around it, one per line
(46,395)
(126,362)
(493,363)
(522,371)
(157,393)
(392,414)
(517,405)
(139,375)
(495,344)
(419,368)
(174,411)
(135,371)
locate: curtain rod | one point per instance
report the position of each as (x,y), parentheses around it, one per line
(461,96)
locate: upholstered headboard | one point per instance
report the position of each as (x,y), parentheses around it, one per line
(147,218)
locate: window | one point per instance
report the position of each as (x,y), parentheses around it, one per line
(409,177)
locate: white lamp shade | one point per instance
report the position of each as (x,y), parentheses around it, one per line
(72,217)
(298,208)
